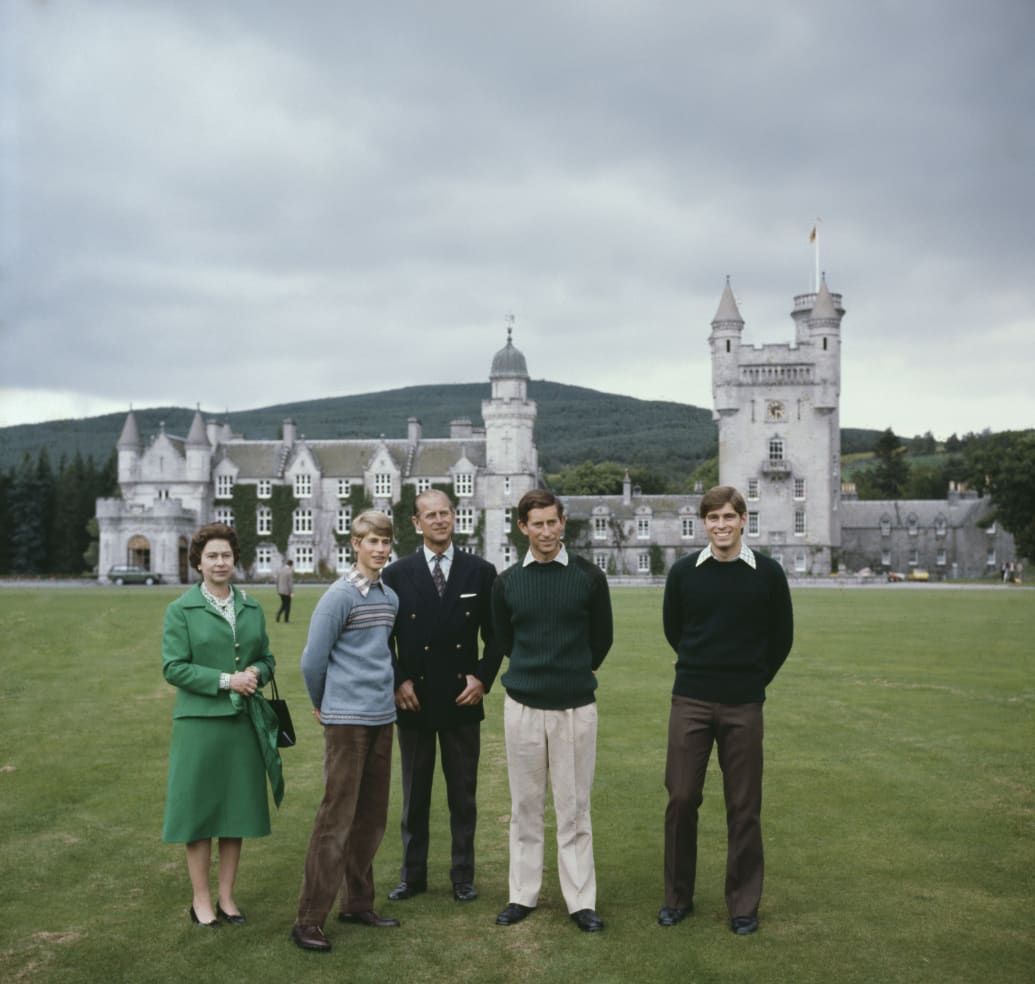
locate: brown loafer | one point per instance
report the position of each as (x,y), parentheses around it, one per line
(310,938)
(368,918)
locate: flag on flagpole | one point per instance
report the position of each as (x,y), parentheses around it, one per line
(812,235)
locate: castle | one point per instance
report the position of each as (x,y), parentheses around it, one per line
(777,412)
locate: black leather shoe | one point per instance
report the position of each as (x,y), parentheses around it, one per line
(743,925)
(670,915)
(587,920)
(237,920)
(407,890)
(464,892)
(368,918)
(310,938)
(197,922)
(513,913)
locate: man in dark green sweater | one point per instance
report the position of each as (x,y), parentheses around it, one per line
(727,614)
(552,618)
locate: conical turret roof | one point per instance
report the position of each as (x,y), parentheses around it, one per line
(198,436)
(823,309)
(129,439)
(508,362)
(728,310)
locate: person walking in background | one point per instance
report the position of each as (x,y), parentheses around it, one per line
(445,602)
(727,614)
(552,615)
(216,653)
(286,589)
(347,669)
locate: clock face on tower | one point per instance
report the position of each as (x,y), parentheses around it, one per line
(775,410)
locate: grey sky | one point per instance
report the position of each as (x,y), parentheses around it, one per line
(243,203)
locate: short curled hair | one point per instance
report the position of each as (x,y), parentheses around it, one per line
(213,531)
(372,521)
(719,496)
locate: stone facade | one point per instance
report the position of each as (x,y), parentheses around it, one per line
(777,412)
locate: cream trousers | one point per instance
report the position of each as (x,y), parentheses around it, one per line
(562,744)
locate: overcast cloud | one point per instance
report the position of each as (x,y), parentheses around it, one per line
(245,203)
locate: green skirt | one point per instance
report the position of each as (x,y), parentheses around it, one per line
(217,781)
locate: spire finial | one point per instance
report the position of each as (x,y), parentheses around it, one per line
(509,319)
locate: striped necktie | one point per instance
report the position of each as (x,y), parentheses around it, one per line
(438,577)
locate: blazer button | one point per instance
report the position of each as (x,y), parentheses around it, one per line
(413,615)
(459,646)
(427,648)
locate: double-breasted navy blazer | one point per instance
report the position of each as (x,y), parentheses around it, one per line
(435,640)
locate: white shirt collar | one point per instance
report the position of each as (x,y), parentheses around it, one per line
(447,554)
(561,558)
(746,554)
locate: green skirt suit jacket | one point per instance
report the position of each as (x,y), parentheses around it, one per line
(217,776)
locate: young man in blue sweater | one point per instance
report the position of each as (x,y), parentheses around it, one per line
(347,668)
(727,614)
(552,615)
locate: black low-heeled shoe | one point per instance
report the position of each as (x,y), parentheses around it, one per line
(197,922)
(237,920)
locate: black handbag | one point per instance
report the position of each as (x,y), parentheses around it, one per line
(285,729)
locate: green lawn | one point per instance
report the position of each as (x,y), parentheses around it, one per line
(899,811)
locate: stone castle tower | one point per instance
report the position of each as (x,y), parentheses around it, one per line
(777,411)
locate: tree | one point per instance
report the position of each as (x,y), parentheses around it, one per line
(26,514)
(1003,465)
(888,477)
(707,473)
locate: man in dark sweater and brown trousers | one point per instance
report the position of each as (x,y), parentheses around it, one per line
(552,615)
(727,614)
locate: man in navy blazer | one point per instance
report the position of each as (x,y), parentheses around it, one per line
(444,605)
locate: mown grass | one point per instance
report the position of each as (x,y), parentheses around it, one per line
(899,811)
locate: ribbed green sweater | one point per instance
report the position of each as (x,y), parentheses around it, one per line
(554,623)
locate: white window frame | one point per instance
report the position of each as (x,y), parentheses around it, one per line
(799,490)
(465,519)
(776,449)
(224,515)
(344,488)
(914,557)
(305,559)
(508,555)
(643,527)
(343,522)
(506,485)
(264,488)
(383,485)
(508,519)
(264,520)
(303,486)
(600,559)
(224,486)
(688,527)
(302,521)
(263,559)
(752,523)
(941,558)
(600,527)
(800,523)
(463,485)
(801,562)
(643,563)
(885,558)
(343,558)
(753,490)
(422,485)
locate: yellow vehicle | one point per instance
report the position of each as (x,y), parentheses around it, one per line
(918,574)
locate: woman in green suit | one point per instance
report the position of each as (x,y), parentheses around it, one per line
(215,651)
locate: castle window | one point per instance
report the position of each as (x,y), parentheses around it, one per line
(941,527)
(263,520)
(914,557)
(824,344)
(687,528)
(799,522)
(465,520)
(643,563)
(225,515)
(344,488)
(224,486)
(303,486)
(913,524)
(643,527)
(885,558)
(800,562)
(508,519)
(506,485)
(423,484)
(776,449)
(752,524)
(508,555)
(463,484)
(885,526)
(383,485)
(990,559)
(344,523)
(302,521)
(264,488)
(940,561)
(163,494)
(600,559)
(799,489)
(753,489)
(342,558)
(263,559)
(304,560)
(778,557)
(599,527)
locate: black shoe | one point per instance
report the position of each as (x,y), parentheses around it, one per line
(310,938)
(237,920)
(406,890)
(464,892)
(587,920)
(743,925)
(513,913)
(368,918)
(197,922)
(670,915)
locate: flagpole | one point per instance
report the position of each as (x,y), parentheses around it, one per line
(815,243)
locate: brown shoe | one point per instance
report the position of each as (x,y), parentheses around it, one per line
(368,918)
(310,938)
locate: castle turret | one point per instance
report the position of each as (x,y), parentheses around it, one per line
(727,328)
(199,451)
(130,447)
(824,333)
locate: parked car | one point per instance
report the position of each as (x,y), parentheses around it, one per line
(896,576)
(132,574)
(918,574)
